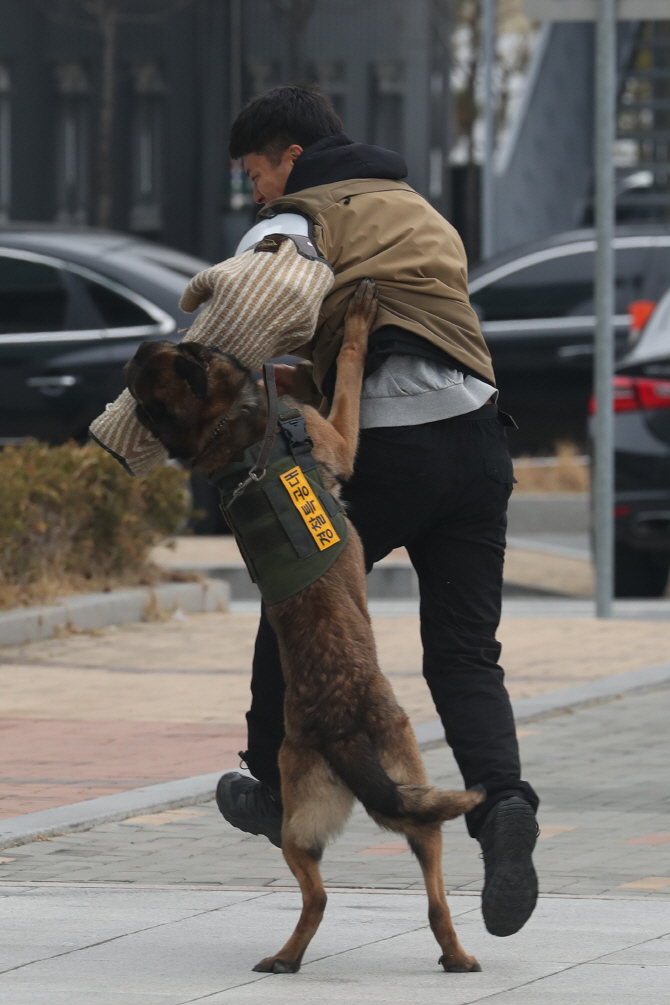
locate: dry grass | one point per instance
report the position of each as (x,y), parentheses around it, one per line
(566,473)
(72,520)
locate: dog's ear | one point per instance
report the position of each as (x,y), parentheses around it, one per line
(192,371)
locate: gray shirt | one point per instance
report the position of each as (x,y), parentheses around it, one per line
(408,390)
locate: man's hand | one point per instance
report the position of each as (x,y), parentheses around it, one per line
(285,378)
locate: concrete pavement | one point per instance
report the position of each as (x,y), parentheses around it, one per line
(70,946)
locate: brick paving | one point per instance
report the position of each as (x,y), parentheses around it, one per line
(53,762)
(601,773)
(89,714)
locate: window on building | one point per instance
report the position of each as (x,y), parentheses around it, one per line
(73,155)
(331,76)
(387,104)
(146,214)
(5,144)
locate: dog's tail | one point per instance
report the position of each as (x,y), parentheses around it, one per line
(357,763)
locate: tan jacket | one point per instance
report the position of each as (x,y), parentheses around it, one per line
(385,230)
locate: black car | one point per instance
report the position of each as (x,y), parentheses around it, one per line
(537,311)
(74,306)
(642,461)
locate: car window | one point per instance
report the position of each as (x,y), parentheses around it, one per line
(560,287)
(33,297)
(116,310)
(177,261)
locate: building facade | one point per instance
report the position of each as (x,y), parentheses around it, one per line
(178,83)
(544,171)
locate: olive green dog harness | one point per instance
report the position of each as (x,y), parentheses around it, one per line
(289,528)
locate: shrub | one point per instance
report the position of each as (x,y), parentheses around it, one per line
(72,519)
(567,471)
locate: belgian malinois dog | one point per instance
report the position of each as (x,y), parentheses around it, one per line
(346,736)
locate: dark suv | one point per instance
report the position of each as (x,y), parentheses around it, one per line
(642,445)
(536,307)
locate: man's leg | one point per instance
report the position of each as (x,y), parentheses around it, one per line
(265,718)
(459,562)
(459,566)
(255,806)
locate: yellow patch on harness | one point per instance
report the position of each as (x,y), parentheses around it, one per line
(309,508)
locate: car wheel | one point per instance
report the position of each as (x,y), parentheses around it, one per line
(640,573)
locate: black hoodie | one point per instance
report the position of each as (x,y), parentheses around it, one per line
(337,158)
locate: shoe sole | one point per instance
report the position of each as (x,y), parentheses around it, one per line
(509,898)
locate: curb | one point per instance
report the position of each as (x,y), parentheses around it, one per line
(98,610)
(82,816)
(15,831)
(548,512)
(385,581)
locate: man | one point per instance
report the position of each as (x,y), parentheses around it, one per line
(433,471)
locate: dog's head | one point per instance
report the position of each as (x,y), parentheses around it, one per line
(184,391)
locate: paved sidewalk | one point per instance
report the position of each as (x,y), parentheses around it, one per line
(91,714)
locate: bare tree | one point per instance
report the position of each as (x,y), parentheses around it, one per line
(512,53)
(293,16)
(103,17)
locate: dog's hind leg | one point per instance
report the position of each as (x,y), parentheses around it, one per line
(426,843)
(316,807)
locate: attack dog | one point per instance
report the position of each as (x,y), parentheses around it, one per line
(346,736)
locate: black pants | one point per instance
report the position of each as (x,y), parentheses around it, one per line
(441,490)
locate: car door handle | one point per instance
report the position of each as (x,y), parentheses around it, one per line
(568,351)
(53,385)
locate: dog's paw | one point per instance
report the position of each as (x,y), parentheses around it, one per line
(467,965)
(364,302)
(273,965)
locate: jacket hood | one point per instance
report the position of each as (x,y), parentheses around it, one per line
(337,158)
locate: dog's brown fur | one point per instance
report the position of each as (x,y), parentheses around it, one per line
(346,735)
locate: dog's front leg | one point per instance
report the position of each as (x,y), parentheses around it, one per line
(345,412)
(305,868)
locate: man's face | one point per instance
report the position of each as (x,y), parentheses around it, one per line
(270,179)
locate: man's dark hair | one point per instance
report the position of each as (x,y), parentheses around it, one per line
(273,121)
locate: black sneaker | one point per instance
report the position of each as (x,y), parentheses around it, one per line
(248,805)
(508,837)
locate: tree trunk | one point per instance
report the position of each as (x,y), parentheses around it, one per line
(108,27)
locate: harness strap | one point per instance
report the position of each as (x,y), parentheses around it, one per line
(271,425)
(259,468)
